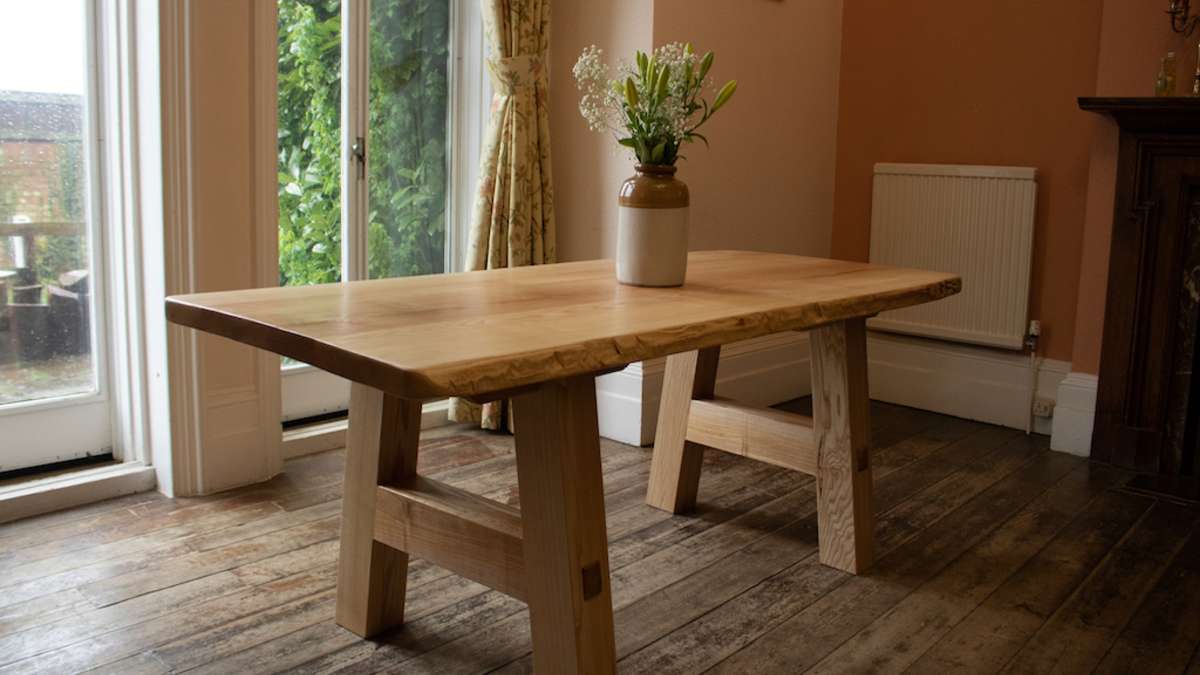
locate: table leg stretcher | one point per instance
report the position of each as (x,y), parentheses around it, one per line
(832,445)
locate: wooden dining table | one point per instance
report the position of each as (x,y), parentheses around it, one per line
(540,336)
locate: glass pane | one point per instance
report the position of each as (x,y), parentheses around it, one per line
(46,280)
(310,82)
(409,111)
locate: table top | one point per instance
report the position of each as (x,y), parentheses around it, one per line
(474,333)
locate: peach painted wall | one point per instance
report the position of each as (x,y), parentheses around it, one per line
(767,181)
(943,81)
(588,169)
(1133,38)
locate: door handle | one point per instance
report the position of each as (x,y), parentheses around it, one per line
(359,150)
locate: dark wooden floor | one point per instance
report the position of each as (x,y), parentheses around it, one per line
(996,555)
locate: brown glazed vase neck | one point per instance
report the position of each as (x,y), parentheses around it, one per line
(656,170)
(654,186)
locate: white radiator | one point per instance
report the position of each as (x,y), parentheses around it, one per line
(974,221)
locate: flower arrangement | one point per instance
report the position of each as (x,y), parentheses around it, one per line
(653,107)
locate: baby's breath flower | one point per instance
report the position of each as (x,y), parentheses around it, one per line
(652,106)
(591,74)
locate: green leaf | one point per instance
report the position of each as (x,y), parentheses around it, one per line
(656,157)
(627,142)
(408,42)
(640,149)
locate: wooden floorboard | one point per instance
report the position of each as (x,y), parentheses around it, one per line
(1165,630)
(1080,632)
(995,554)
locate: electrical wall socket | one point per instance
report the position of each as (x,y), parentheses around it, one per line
(1043,407)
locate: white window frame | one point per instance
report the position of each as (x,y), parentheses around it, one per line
(307,390)
(81,423)
(470,105)
(143,112)
(130,364)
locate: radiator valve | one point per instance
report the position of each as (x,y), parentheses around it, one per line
(1035,332)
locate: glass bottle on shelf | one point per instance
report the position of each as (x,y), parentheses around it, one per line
(1196,78)
(1160,82)
(1169,65)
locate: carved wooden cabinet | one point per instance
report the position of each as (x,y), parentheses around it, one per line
(1147,402)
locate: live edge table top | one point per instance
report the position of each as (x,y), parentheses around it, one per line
(476,333)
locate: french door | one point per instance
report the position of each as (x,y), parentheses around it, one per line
(54,397)
(380,120)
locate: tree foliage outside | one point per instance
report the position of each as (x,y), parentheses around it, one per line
(309,122)
(408,106)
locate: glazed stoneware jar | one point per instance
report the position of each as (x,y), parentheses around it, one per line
(652,228)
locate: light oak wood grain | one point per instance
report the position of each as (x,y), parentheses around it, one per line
(675,469)
(832,445)
(479,332)
(773,436)
(383,437)
(562,511)
(541,335)
(475,537)
(846,520)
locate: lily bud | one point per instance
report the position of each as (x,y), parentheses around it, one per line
(705,64)
(724,95)
(631,95)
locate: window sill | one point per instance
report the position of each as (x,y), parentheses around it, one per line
(75,488)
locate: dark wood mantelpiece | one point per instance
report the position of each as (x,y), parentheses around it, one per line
(1179,114)
(1148,403)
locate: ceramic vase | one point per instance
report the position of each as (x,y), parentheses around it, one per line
(652,228)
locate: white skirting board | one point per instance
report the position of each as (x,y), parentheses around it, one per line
(1075,414)
(975,383)
(323,436)
(763,371)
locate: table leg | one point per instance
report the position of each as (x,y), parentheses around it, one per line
(845,517)
(565,542)
(381,447)
(675,466)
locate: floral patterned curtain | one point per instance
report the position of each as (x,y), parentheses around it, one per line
(513,221)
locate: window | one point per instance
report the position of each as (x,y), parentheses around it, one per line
(380,121)
(53,325)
